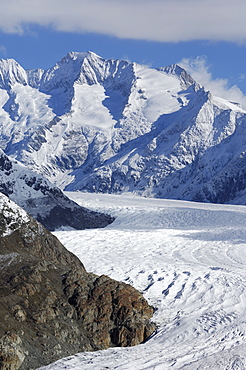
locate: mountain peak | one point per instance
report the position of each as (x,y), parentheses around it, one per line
(91,54)
(172,69)
(185,78)
(11,72)
(109,125)
(73,55)
(79,56)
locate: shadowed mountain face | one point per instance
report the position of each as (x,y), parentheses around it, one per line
(44,201)
(112,126)
(50,306)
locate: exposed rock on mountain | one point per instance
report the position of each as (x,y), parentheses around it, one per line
(45,202)
(113,126)
(50,306)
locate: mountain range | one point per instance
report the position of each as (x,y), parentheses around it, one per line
(112,126)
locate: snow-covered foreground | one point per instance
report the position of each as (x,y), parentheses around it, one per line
(189,261)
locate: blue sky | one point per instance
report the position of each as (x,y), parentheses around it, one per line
(207,37)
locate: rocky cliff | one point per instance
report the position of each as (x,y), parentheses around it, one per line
(50,306)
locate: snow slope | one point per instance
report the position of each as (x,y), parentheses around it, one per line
(189,261)
(112,126)
(12,216)
(44,201)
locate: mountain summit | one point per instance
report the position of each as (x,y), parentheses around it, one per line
(113,126)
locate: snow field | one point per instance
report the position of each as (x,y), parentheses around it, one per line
(188,259)
(88,108)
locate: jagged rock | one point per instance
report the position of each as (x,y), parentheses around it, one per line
(11,352)
(50,306)
(110,310)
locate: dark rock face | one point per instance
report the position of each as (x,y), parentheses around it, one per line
(115,313)
(51,307)
(72,215)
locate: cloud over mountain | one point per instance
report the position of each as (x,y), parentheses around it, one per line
(200,71)
(156,20)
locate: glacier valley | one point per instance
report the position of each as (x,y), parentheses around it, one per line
(188,259)
(162,162)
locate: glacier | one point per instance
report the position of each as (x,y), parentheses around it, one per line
(188,259)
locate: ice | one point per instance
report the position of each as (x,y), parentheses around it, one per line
(188,259)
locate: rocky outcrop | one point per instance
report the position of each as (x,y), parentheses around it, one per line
(51,307)
(12,354)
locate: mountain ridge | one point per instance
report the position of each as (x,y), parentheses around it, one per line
(113,126)
(42,200)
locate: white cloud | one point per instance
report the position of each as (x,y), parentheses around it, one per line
(3,50)
(159,20)
(199,70)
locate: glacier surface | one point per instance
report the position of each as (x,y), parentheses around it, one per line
(188,259)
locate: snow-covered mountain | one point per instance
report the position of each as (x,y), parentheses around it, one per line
(44,201)
(113,126)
